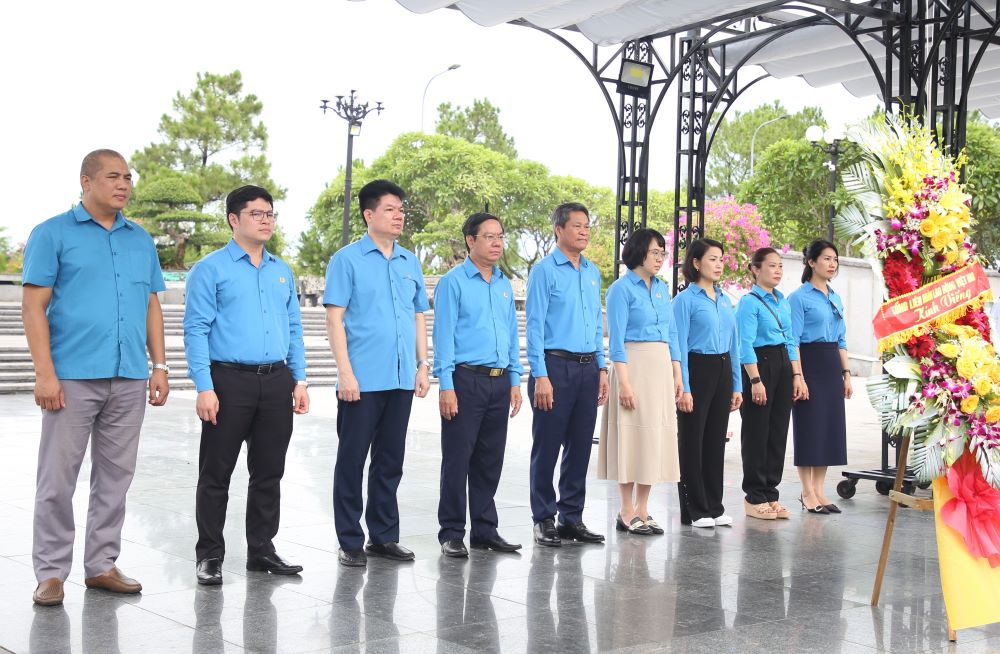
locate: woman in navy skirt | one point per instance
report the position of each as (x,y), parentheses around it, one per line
(818,421)
(710,368)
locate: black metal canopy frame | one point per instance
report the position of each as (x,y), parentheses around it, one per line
(932,50)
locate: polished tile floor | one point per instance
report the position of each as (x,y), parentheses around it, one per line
(788,586)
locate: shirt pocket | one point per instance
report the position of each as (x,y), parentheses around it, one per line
(406,288)
(138,267)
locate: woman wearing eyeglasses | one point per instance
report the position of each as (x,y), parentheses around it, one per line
(819,429)
(639,428)
(710,367)
(772,380)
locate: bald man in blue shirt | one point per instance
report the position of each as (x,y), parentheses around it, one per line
(90,313)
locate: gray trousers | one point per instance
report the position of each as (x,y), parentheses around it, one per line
(108,414)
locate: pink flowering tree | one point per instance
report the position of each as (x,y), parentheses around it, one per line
(738,227)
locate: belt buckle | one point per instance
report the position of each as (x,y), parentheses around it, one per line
(496,372)
(587,358)
(261,369)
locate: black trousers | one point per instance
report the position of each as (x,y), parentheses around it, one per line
(569,426)
(377,422)
(701,441)
(765,428)
(256,409)
(472,449)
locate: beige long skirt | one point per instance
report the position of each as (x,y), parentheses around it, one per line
(640,445)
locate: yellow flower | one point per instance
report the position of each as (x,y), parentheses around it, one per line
(949,350)
(939,241)
(993,414)
(950,256)
(928,226)
(966,367)
(962,331)
(970,403)
(995,373)
(984,386)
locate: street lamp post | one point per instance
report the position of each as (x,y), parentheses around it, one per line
(353,111)
(423,100)
(753,139)
(830,142)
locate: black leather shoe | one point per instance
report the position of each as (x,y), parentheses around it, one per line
(272,563)
(546,534)
(578,531)
(497,544)
(210,572)
(454,548)
(832,508)
(393,551)
(352,558)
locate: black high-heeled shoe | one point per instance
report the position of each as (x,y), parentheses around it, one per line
(817,509)
(637,526)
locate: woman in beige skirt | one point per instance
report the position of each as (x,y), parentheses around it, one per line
(639,431)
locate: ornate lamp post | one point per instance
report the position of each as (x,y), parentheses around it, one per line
(351,109)
(830,142)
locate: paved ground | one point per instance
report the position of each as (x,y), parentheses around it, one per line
(786,586)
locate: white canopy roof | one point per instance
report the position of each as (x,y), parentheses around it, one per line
(820,54)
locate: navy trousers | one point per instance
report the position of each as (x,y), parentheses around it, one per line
(377,422)
(569,426)
(472,449)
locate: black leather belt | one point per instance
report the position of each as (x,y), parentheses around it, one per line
(484,370)
(573,356)
(257,369)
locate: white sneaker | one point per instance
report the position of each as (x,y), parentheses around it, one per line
(703,522)
(723,520)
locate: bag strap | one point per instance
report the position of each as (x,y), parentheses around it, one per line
(773,313)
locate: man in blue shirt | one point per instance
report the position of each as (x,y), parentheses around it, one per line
(375,302)
(568,380)
(477,359)
(245,354)
(90,312)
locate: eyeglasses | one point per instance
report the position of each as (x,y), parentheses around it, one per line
(492,238)
(258,215)
(657,254)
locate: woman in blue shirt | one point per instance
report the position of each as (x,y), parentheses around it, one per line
(710,369)
(819,428)
(639,432)
(772,380)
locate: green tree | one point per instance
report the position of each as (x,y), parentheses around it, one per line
(983,176)
(729,159)
(479,123)
(790,187)
(167,207)
(216,140)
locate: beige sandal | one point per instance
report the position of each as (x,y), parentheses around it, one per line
(780,511)
(760,511)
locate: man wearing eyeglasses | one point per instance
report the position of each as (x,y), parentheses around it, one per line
(477,359)
(375,302)
(245,354)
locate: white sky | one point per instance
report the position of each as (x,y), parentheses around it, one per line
(81,75)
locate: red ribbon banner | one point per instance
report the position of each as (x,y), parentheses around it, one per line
(919,311)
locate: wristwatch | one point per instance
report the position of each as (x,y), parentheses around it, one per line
(755,380)
(302,382)
(162,366)
(424,362)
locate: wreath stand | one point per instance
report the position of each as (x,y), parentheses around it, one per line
(898,497)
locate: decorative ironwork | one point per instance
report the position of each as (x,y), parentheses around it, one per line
(641,115)
(627,116)
(945,71)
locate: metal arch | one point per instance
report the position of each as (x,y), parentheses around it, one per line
(729,105)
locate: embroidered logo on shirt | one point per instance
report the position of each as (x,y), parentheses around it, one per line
(593,283)
(505,295)
(281,280)
(658,295)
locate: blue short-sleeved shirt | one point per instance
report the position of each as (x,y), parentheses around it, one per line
(761,325)
(563,310)
(475,322)
(101,281)
(706,326)
(239,313)
(381,297)
(638,314)
(816,317)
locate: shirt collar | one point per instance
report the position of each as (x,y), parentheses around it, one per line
(471,270)
(561,258)
(369,245)
(829,289)
(82,215)
(758,291)
(237,253)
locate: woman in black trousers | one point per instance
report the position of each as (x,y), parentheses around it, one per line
(710,370)
(772,379)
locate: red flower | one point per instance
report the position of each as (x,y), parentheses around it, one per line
(977,319)
(920,346)
(902,275)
